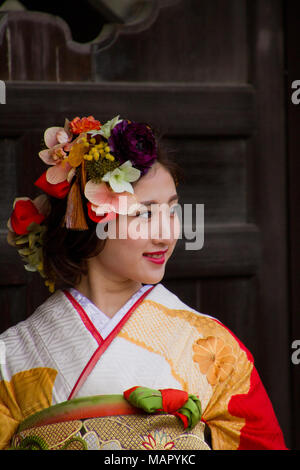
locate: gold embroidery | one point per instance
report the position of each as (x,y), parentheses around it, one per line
(129,432)
(146,346)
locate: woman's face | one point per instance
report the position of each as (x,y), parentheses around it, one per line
(154,228)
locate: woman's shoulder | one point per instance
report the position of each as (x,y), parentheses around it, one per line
(170,300)
(208,326)
(50,307)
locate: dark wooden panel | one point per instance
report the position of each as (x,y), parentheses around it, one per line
(228,250)
(176,109)
(29,164)
(8,173)
(40,47)
(4,65)
(292,28)
(231,300)
(186,289)
(269,194)
(191,41)
(12,306)
(215,175)
(12,271)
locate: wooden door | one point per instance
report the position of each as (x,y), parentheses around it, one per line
(205,72)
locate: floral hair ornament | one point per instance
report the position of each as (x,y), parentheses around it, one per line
(99,161)
(89,160)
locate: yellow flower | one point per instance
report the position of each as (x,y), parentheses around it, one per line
(77,154)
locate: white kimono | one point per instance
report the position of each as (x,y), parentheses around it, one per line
(69,349)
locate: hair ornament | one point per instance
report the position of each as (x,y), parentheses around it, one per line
(90,164)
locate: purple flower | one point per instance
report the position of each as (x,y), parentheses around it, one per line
(135,142)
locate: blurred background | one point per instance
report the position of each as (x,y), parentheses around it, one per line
(215,77)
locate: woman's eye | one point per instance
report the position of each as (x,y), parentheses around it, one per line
(174,209)
(145,215)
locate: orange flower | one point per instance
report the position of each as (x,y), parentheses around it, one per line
(215,358)
(84,124)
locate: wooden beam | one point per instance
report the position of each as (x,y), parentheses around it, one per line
(178,109)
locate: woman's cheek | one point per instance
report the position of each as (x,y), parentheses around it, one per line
(176,228)
(138,229)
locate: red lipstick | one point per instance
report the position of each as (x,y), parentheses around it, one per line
(159,256)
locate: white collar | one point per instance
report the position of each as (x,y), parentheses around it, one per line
(100,320)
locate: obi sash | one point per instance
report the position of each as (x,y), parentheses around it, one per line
(106,422)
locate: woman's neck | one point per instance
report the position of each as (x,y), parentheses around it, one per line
(109,295)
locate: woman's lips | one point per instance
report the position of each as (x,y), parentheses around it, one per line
(157,257)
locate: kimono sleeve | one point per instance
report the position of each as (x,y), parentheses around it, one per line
(239,414)
(10,413)
(21,395)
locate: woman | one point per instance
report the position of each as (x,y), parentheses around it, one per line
(112,343)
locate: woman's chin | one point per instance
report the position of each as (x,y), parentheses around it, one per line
(153,278)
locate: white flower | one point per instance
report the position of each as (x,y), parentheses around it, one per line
(120,178)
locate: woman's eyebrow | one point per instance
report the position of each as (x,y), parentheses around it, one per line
(172,198)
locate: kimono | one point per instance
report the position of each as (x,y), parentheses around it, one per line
(69,350)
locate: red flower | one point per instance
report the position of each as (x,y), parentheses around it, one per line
(100,218)
(59,190)
(84,124)
(24,213)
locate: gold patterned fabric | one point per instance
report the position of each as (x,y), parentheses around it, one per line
(127,432)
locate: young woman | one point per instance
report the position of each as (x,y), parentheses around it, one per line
(112,345)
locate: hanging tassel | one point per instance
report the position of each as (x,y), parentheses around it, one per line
(74,217)
(83,176)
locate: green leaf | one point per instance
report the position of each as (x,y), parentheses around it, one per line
(21,240)
(25,251)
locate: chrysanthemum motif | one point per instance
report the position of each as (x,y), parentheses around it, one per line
(215,358)
(158,441)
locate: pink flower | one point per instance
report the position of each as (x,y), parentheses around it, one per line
(57,139)
(103,200)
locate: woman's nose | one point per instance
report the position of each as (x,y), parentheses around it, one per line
(164,226)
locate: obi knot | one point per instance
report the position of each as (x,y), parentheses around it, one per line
(171,401)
